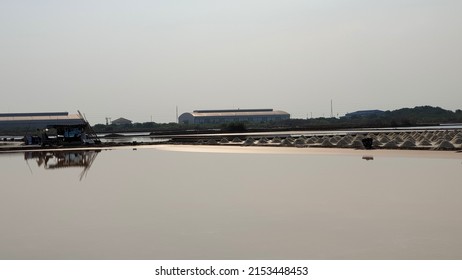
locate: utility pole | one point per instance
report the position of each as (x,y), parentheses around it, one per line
(331,109)
(177,121)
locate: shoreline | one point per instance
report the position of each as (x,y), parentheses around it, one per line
(309,151)
(391,142)
(366,154)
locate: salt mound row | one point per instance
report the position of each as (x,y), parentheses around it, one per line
(439,140)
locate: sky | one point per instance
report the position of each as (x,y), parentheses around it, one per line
(142,59)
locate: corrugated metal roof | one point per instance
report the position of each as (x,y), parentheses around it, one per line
(233,110)
(34,114)
(237,113)
(31,117)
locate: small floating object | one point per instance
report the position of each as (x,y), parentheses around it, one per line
(368,157)
(134,149)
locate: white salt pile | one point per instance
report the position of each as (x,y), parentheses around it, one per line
(276,140)
(249,141)
(424,143)
(392,144)
(343,143)
(286,142)
(407,144)
(326,143)
(445,145)
(300,141)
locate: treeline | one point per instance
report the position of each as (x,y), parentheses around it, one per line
(418,116)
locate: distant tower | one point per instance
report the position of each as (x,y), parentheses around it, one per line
(108,120)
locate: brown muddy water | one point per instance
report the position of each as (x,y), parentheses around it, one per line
(166,202)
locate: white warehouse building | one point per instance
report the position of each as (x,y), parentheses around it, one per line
(228,116)
(39,120)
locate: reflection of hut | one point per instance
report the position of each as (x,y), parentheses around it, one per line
(64,159)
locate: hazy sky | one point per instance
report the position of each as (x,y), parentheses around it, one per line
(137,59)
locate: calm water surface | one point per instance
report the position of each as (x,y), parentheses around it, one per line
(163,204)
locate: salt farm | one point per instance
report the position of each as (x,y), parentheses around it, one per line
(237,197)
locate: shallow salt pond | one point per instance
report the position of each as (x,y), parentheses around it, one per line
(197,202)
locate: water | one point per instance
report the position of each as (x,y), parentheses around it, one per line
(167,202)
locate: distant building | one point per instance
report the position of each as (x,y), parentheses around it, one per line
(364,113)
(227,116)
(121,121)
(33,121)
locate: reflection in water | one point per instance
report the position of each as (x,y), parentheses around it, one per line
(63,159)
(198,202)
